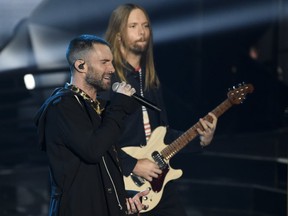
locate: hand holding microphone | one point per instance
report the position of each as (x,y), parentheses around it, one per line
(123,88)
(129,91)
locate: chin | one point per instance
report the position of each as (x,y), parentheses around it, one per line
(106,87)
(103,88)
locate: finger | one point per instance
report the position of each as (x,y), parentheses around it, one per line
(121,88)
(149,178)
(128,206)
(144,192)
(137,201)
(203,123)
(211,126)
(215,119)
(122,83)
(132,205)
(212,115)
(209,129)
(158,171)
(202,142)
(154,175)
(132,91)
(201,132)
(128,86)
(154,166)
(138,205)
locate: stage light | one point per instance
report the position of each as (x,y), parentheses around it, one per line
(29,81)
(220,20)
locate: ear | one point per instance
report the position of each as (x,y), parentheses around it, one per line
(79,65)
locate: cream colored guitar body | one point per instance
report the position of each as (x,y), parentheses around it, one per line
(155,144)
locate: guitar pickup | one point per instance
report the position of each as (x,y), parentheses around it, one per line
(157,157)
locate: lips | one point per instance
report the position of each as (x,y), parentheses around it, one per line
(141,40)
(141,43)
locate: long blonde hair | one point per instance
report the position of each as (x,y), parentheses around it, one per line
(117,25)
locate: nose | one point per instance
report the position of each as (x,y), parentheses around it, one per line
(111,69)
(141,30)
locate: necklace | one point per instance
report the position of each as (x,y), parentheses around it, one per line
(95,104)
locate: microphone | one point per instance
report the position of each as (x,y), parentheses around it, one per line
(139,98)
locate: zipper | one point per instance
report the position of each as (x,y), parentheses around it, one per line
(116,193)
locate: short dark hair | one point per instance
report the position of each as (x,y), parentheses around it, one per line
(80,45)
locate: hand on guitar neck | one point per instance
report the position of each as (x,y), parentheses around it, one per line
(148,169)
(207,130)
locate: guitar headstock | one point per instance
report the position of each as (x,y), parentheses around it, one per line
(238,95)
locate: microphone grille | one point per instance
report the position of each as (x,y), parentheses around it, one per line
(115,86)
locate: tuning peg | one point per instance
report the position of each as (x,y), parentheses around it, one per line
(242,99)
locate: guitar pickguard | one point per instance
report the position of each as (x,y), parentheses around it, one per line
(157,183)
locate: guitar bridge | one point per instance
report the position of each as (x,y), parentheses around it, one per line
(139,181)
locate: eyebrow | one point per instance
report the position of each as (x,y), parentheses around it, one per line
(104,60)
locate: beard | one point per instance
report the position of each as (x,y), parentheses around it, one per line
(97,82)
(137,49)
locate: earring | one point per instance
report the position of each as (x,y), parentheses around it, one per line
(81,66)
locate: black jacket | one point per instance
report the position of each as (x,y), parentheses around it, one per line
(85,175)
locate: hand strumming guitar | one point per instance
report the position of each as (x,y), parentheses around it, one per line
(147,169)
(134,205)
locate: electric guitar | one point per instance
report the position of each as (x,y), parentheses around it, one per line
(157,151)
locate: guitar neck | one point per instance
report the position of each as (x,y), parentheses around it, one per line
(169,151)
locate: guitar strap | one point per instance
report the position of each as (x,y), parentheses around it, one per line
(146,123)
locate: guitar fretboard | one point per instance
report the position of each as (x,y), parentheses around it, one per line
(192,132)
